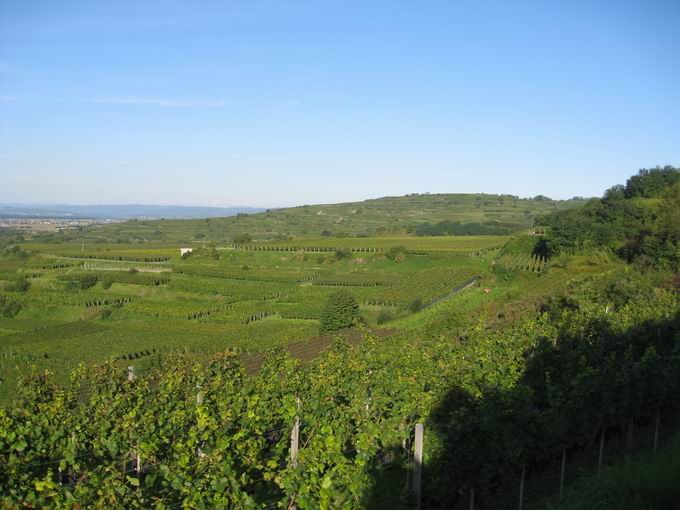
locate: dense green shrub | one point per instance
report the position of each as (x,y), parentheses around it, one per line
(397,253)
(88,281)
(243,238)
(9,308)
(14,252)
(341,311)
(384,316)
(19,285)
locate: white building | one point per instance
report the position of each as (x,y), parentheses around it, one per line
(183,251)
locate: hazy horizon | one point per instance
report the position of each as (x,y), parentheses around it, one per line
(254,206)
(283,103)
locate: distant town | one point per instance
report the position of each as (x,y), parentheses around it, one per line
(51,224)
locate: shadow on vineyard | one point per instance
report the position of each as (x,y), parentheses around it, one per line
(593,387)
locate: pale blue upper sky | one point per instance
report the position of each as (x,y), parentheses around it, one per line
(286,102)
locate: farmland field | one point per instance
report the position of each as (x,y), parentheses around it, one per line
(87,302)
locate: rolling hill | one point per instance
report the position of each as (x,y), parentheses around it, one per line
(493,214)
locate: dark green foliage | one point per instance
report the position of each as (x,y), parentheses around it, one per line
(384,316)
(504,273)
(651,183)
(342,254)
(243,238)
(543,248)
(14,252)
(625,221)
(8,307)
(106,284)
(341,311)
(397,253)
(416,305)
(21,284)
(88,281)
(133,270)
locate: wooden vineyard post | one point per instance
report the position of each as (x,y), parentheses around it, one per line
(131,373)
(472,498)
(599,460)
(564,464)
(521,488)
(138,464)
(656,428)
(629,437)
(418,463)
(294,442)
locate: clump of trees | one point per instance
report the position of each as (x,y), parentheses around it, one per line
(651,183)
(639,221)
(14,252)
(243,238)
(342,254)
(397,253)
(9,308)
(19,285)
(341,311)
(87,281)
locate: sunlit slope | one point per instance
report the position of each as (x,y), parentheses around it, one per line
(382,216)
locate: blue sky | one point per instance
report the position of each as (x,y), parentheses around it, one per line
(277,103)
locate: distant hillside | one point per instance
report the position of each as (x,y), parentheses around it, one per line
(118,211)
(438,214)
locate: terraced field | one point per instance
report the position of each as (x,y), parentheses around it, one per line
(463,244)
(387,216)
(76,303)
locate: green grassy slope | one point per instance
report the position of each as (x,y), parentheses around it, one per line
(207,302)
(382,216)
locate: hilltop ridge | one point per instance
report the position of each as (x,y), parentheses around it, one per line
(482,213)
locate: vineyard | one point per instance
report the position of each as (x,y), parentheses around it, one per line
(523,262)
(229,362)
(145,297)
(197,432)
